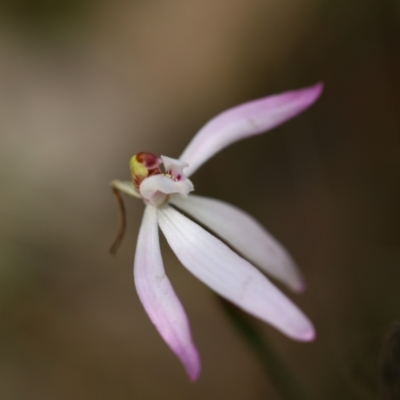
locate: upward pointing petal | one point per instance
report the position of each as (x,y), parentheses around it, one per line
(231,276)
(158,297)
(245,234)
(246,120)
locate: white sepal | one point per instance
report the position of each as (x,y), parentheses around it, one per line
(232,277)
(245,234)
(158,297)
(246,120)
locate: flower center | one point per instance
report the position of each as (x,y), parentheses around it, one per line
(156,186)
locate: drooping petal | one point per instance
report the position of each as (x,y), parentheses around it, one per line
(245,234)
(158,297)
(246,120)
(231,276)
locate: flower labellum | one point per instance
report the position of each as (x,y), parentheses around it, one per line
(164,186)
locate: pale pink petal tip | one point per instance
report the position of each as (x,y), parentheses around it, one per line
(193,373)
(308,335)
(316,91)
(192,364)
(306,96)
(299,287)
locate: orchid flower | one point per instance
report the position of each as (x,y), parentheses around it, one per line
(164,186)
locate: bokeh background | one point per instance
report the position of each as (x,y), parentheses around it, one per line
(86,84)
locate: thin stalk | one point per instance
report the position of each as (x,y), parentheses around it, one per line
(284,381)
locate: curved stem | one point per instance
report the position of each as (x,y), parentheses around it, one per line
(122,217)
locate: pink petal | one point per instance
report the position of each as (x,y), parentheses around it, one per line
(158,297)
(245,234)
(231,276)
(246,120)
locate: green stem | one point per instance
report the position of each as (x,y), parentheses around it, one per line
(282,378)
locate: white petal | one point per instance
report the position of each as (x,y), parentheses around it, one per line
(158,297)
(245,234)
(246,120)
(162,184)
(231,276)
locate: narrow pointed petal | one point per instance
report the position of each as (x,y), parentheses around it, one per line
(246,120)
(126,187)
(158,297)
(245,234)
(231,276)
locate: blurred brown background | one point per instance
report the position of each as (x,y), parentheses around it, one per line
(84,85)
